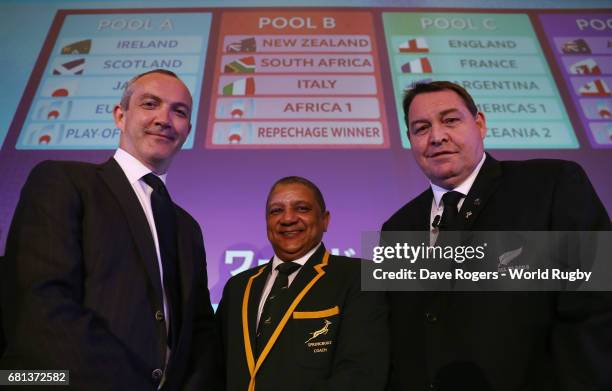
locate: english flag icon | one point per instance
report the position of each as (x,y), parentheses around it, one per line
(415,45)
(585,67)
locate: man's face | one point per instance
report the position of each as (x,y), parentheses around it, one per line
(295,221)
(446,140)
(157,120)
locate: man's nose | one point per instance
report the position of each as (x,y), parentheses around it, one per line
(289,216)
(162,117)
(438,134)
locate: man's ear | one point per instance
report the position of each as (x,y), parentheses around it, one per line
(481,122)
(119,116)
(326,217)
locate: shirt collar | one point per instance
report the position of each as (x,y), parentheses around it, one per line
(302,260)
(133,168)
(463,188)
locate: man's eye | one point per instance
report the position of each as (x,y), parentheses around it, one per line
(420,129)
(147,104)
(182,113)
(451,120)
(303,208)
(275,211)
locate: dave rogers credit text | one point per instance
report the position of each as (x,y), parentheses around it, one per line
(460,274)
(405,251)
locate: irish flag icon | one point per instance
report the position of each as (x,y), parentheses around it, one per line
(420,65)
(416,45)
(240,87)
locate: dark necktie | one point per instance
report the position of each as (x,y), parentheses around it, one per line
(273,308)
(165,225)
(450,217)
(451,221)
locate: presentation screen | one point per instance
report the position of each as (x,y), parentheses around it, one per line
(314,92)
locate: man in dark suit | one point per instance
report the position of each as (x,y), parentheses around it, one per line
(301,322)
(104,276)
(493,340)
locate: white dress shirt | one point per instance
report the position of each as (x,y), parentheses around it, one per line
(437,207)
(272,276)
(134,171)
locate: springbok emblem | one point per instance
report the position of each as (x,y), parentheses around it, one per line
(321,331)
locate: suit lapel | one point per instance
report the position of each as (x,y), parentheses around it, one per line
(250,306)
(250,302)
(486,183)
(420,223)
(118,184)
(308,275)
(305,275)
(185,257)
(423,209)
(255,298)
(185,262)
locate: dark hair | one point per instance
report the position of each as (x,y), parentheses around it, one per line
(302,181)
(436,86)
(128,91)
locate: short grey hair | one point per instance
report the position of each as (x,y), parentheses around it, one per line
(124,103)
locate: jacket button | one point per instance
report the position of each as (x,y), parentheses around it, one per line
(431,318)
(157,374)
(159,315)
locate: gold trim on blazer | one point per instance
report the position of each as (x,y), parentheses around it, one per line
(254,366)
(245,323)
(316,314)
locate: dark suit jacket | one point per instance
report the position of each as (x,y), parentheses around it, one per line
(353,355)
(81,287)
(509,340)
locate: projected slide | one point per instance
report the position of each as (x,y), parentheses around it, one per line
(92,59)
(582,46)
(297,79)
(497,58)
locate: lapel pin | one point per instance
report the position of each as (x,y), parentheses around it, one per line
(468,214)
(477,201)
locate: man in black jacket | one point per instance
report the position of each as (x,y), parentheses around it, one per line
(104,275)
(301,322)
(493,340)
